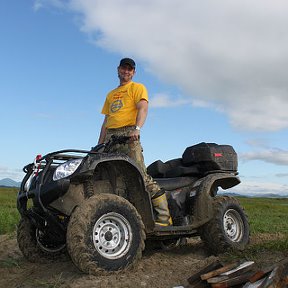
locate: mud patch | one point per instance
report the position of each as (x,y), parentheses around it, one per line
(159,269)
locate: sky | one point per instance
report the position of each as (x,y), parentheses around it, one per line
(216,72)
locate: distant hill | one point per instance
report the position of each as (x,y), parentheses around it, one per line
(7,182)
(269,195)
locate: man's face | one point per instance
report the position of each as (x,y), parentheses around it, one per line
(125,73)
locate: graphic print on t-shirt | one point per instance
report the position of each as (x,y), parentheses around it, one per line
(116,105)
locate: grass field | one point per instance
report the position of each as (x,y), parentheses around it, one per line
(9,216)
(268,219)
(267,216)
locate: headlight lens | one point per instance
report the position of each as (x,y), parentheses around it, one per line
(66,169)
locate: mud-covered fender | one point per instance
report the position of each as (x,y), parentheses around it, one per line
(205,190)
(116,164)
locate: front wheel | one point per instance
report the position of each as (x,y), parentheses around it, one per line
(105,233)
(229,228)
(36,245)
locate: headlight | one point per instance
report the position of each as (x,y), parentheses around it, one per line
(66,169)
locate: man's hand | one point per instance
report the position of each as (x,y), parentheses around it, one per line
(134,135)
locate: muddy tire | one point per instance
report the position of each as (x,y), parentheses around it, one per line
(105,233)
(33,245)
(229,228)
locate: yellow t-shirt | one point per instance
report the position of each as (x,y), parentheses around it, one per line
(120,104)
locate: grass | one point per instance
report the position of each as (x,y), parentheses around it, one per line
(56,282)
(268,226)
(9,215)
(267,218)
(266,215)
(9,263)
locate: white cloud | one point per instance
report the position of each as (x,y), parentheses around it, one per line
(256,188)
(160,100)
(164,100)
(38,4)
(272,155)
(232,53)
(15,174)
(282,175)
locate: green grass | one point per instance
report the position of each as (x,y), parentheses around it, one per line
(9,215)
(9,263)
(56,282)
(266,215)
(268,222)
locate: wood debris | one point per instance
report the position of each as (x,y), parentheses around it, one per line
(240,274)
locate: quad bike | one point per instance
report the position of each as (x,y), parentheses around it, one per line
(93,205)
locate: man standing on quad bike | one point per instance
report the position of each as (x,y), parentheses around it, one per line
(125,111)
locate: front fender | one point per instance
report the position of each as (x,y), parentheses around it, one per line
(124,179)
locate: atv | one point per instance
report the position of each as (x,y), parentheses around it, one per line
(93,205)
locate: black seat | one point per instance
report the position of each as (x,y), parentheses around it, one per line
(176,182)
(172,168)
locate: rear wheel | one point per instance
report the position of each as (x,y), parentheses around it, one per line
(34,243)
(229,228)
(105,233)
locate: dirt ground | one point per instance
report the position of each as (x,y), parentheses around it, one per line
(157,268)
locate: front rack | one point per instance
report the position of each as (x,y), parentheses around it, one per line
(57,158)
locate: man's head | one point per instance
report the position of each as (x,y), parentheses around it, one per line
(127,61)
(126,70)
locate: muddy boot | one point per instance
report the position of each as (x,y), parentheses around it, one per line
(160,205)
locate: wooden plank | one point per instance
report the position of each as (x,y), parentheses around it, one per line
(196,277)
(255,284)
(242,279)
(277,278)
(265,271)
(217,279)
(270,278)
(260,274)
(219,271)
(241,269)
(245,266)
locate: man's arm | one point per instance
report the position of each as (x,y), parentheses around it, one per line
(103,131)
(142,108)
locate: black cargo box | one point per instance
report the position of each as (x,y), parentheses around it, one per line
(211,156)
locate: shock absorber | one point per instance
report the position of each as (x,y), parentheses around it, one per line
(88,188)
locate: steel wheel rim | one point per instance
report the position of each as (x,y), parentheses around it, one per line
(233,225)
(112,235)
(50,248)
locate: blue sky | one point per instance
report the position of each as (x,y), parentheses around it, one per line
(216,71)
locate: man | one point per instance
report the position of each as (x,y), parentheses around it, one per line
(125,111)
